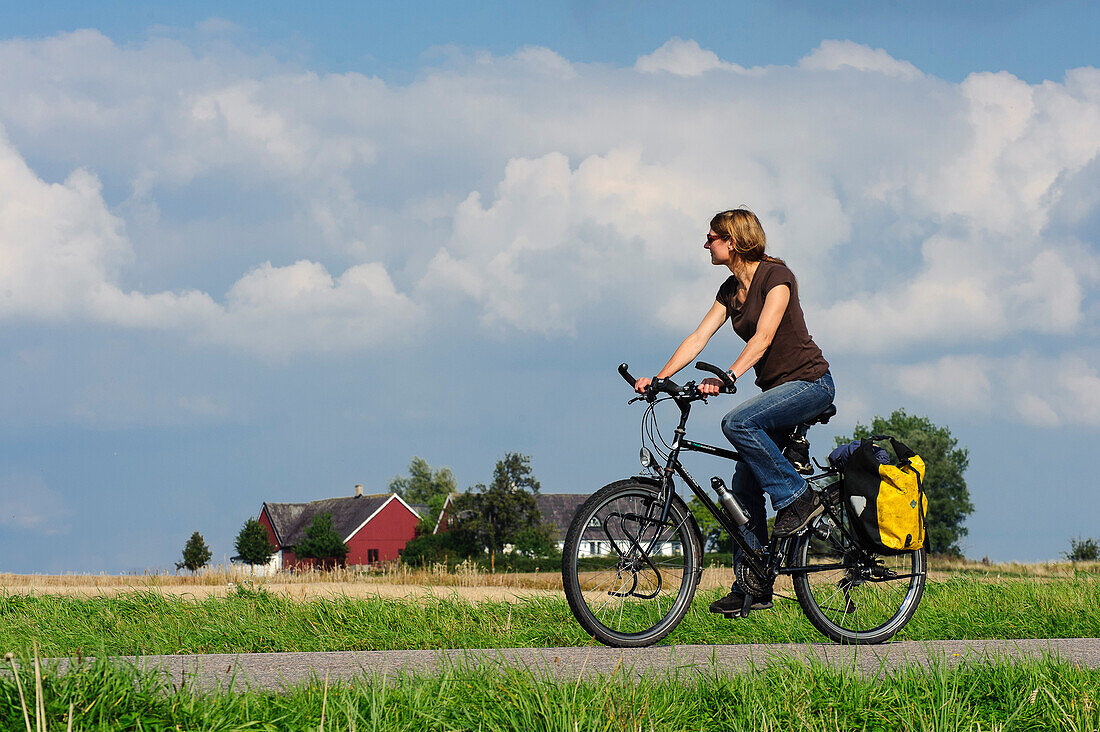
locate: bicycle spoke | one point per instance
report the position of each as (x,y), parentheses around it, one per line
(637,572)
(868,600)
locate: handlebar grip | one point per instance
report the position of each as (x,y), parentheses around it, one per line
(623,372)
(729,386)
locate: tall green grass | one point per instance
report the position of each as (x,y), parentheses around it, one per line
(146,623)
(1035,695)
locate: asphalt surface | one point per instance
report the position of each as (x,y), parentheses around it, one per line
(279,670)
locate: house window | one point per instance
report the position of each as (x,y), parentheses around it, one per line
(372,556)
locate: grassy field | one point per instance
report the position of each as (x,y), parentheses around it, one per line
(467,574)
(254,620)
(164,615)
(1036,695)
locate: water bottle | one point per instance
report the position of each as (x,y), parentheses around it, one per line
(731,504)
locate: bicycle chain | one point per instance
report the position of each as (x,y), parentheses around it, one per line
(750,582)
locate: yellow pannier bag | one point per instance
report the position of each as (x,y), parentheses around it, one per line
(901,505)
(887,502)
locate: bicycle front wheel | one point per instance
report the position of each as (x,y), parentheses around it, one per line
(628,576)
(853,596)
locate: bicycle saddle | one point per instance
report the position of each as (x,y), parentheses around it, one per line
(825,416)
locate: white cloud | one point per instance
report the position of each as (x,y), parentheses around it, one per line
(839,55)
(61,251)
(962,382)
(682,58)
(556,241)
(528,193)
(276,311)
(1039,390)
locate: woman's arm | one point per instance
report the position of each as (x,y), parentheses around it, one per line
(691,346)
(775,305)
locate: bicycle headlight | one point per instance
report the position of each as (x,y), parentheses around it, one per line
(645,457)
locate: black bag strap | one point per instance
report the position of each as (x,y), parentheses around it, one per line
(903,451)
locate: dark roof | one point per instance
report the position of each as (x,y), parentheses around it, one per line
(421,508)
(558,509)
(292,519)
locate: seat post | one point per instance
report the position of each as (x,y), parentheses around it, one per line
(797,450)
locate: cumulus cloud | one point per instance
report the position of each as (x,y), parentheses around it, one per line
(556,241)
(527,193)
(839,55)
(682,58)
(62,248)
(62,251)
(277,311)
(1039,390)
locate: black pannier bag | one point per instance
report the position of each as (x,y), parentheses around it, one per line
(886,502)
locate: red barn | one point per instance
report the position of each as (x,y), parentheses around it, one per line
(375,528)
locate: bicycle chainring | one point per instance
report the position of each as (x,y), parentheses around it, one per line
(751,582)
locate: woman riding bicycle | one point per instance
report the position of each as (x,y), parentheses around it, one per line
(761,299)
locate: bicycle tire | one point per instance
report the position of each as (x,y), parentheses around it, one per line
(622,598)
(839,603)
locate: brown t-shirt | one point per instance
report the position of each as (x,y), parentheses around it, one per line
(793,355)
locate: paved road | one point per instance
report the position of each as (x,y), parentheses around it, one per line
(277,670)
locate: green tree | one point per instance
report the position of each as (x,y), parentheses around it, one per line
(715,538)
(322,543)
(253,544)
(195,553)
(945,463)
(497,514)
(426,486)
(536,541)
(1082,550)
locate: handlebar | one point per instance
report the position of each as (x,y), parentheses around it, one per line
(624,371)
(728,385)
(667,386)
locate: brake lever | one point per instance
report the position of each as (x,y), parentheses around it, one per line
(636,399)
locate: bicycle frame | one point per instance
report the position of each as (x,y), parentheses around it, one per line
(766,564)
(673,465)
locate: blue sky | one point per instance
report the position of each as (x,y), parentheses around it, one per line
(267,252)
(1035,41)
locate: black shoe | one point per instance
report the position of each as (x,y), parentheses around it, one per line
(732,603)
(798,515)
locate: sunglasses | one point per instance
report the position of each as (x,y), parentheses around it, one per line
(711,238)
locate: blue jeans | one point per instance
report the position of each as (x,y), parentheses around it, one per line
(758,429)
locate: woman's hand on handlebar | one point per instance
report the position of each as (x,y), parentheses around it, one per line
(711,387)
(642,384)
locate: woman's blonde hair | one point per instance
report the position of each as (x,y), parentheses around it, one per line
(741,226)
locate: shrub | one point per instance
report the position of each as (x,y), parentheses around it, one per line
(1082,550)
(454,544)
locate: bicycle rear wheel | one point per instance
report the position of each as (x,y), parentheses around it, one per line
(860,598)
(628,577)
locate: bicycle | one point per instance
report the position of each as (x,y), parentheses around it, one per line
(632,558)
